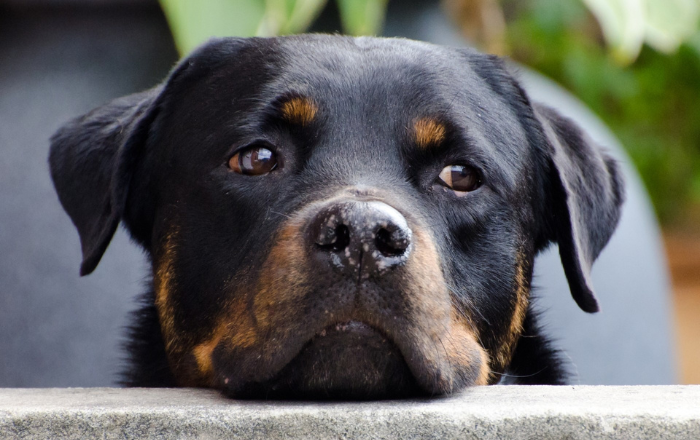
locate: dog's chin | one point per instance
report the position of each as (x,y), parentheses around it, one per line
(346,361)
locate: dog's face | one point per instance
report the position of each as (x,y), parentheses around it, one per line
(340,217)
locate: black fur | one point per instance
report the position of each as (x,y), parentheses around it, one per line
(535,360)
(148,363)
(257,313)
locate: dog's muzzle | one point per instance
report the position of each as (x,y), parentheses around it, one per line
(360,238)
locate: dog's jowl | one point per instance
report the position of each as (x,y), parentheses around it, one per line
(331,217)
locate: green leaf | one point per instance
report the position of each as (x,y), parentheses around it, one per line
(670,22)
(623,24)
(288,16)
(362,17)
(694,43)
(628,24)
(194,22)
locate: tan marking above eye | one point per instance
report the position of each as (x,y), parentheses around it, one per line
(460,178)
(299,110)
(428,132)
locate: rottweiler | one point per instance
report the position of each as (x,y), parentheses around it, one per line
(329,217)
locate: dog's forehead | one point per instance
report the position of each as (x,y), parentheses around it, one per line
(373,91)
(417,85)
(391,71)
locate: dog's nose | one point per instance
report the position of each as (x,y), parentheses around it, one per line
(369,237)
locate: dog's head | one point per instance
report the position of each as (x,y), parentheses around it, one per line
(350,217)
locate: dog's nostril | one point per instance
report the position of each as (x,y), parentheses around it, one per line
(342,234)
(391,244)
(334,238)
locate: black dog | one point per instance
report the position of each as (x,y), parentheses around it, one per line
(338,217)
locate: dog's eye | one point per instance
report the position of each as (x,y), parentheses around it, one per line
(254,161)
(460,178)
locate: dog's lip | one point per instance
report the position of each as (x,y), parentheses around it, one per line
(351,326)
(335,345)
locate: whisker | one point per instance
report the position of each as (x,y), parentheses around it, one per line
(522,376)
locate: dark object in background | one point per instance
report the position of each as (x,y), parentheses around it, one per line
(301,249)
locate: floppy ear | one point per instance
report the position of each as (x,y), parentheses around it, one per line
(584,195)
(91,161)
(93,158)
(584,189)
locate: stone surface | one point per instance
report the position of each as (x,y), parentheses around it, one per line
(571,412)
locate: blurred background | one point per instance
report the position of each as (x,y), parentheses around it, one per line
(632,64)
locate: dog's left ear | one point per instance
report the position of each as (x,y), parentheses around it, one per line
(585,193)
(583,186)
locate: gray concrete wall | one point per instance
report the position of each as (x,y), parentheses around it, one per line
(498,412)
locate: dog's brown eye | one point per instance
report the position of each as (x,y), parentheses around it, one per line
(460,178)
(253,161)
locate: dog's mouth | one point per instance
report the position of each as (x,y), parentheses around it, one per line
(345,361)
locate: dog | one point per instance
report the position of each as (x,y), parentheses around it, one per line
(330,217)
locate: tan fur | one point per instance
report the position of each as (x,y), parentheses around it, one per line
(283,276)
(485,371)
(428,132)
(521,301)
(176,343)
(463,349)
(280,281)
(299,110)
(447,338)
(164,282)
(203,352)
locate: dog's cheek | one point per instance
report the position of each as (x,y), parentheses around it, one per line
(188,352)
(518,308)
(446,335)
(470,360)
(283,281)
(245,343)
(184,362)
(235,331)
(164,281)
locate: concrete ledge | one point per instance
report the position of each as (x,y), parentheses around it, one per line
(571,412)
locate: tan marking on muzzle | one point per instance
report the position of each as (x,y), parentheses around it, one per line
(299,110)
(470,352)
(448,331)
(428,132)
(281,281)
(236,330)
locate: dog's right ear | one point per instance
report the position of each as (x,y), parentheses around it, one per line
(94,157)
(91,161)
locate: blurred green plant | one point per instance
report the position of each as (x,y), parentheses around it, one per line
(193,22)
(628,24)
(653,105)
